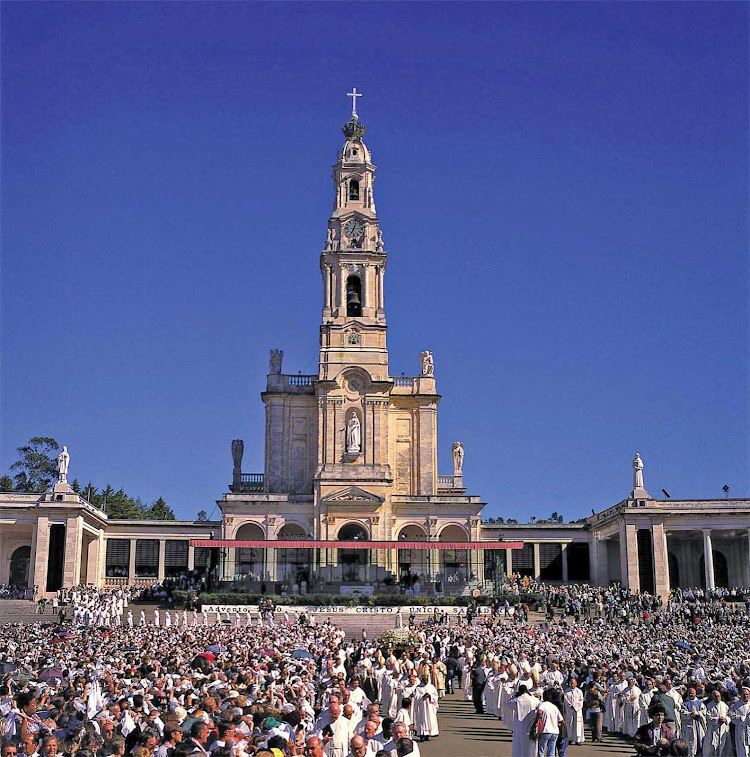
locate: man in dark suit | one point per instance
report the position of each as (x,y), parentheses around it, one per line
(654,737)
(478,682)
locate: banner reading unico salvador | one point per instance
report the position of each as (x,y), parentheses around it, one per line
(345,610)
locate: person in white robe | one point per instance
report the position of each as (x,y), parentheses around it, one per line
(717,742)
(333,729)
(693,722)
(631,708)
(156,616)
(426,700)
(130,618)
(644,702)
(142,619)
(739,713)
(672,692)
(522,710)
(389,699)
(574,713)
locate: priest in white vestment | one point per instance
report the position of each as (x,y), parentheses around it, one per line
(574,713)
(522,711)
(739,712)
(717,742)
(425,709)
(693,722)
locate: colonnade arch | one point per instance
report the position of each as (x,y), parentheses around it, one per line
(413,564)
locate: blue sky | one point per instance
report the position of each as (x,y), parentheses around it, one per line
(562,188)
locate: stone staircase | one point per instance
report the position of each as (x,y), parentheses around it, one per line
(24,611)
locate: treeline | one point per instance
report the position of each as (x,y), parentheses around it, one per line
(36,471)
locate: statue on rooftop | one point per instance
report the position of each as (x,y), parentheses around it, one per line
(63,461)
(428,364)
(458,457)
(238,447)
(275,362)
(638,472)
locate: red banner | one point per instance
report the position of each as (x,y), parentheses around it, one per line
(320,544)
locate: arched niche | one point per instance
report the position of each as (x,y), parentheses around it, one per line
(250,561)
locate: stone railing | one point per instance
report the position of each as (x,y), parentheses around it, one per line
(454,483)
(252,482)
(445,480)
(403,381)
(300,380)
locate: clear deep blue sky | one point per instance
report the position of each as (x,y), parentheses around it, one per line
(563,193)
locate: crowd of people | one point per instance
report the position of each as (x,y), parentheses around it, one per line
(672,678)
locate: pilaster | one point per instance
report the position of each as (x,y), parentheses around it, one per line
(708,556)
(564,560)
(661,560)
(41,553)
(629,569)
(162,560)
(131,563)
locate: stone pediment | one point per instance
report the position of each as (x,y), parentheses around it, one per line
(352,494)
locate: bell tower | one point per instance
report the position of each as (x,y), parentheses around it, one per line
(353,327)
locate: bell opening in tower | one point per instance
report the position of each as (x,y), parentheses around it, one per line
(354,189)
(353,297)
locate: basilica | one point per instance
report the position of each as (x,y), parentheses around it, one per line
(350,499)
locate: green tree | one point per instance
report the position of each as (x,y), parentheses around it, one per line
(6,484)
(75,486)
(37,467)
(118,505)
(160,510)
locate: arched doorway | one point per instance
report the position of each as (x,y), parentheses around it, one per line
(413,564)
(674,571)
(250,561)
(293,565)
(19,567)
(454,563)
(721,570)
(353,562)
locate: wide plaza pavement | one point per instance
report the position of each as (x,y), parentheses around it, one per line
(463,733)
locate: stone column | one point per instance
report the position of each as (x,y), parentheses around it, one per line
(32,557)
(191,557)
(564,559)
(41,553)
(629,569)
(72,559)
(131,563)
(93,562)
(747,583)
(327,290)
(508,562)
(661,560)
(162,560)
(708,556)
(537,568)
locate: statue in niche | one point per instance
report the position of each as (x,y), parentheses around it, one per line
(379,242)
(353,435)
(637,471)
(428,364)
(275,363)
(238,447)
(63,461)
(458,457)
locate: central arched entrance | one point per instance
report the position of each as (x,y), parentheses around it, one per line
(353,563)
(293,565)
(250,561)
(454,563)
(413,564)
(19,567)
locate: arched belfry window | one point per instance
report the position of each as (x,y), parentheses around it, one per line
(354,189)
(353,297)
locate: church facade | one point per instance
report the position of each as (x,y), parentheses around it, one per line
(350,495)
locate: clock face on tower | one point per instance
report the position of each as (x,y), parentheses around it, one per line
(354,228)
